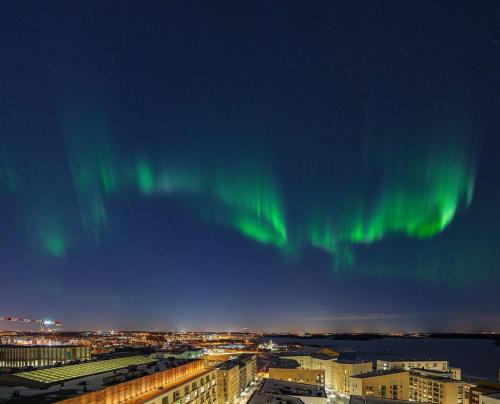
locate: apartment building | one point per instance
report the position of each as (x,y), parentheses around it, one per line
(392,384)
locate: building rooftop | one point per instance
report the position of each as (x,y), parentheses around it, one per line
(317,355)
(494,395)
(376,373)
(41,346)
(227,365)
(38,393)
(180,350)
(351,361)
(374,400)
(59,374)
(286,364)
(434,375)
(279,387)
(412,360)
(266,398)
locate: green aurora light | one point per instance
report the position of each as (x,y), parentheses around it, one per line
(417,197)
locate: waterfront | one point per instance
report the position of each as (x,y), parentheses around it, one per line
(476,357)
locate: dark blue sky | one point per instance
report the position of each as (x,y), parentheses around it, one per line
(321,166)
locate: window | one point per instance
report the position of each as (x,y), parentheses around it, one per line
(164,400)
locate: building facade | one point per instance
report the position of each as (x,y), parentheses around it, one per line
(342,370)
(228,382)
(234,376)
(316,362)
(435,389)
(390,384)
(18,356)
(308,376)
(429,364)
(456,373)
(248,370)
(190,383)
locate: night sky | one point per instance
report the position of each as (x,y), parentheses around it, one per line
(262,165)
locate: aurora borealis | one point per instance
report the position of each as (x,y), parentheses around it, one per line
(149,147)
(416,197)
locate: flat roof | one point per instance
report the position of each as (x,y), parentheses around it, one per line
(433,375)
(59,374)
(376,373)
(264,398)
(374,400)
(316,355)
(412,360)
(227,365)
(494,395)
(280,387)
(352,361)
(286,364)
(42,346)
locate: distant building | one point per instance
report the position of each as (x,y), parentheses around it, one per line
(280,392)
(19,356)
(342,370)
(427,364)
(407,364)
(189,353)
(392,384)
(435,387)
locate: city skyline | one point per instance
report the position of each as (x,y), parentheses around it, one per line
(318,167)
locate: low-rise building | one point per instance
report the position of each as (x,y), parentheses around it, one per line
(435,387)
(342,370)
(138,379)
(19,356)
(188,353)
(196,388)
(392,384)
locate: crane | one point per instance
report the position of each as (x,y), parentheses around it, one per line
(44,324)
